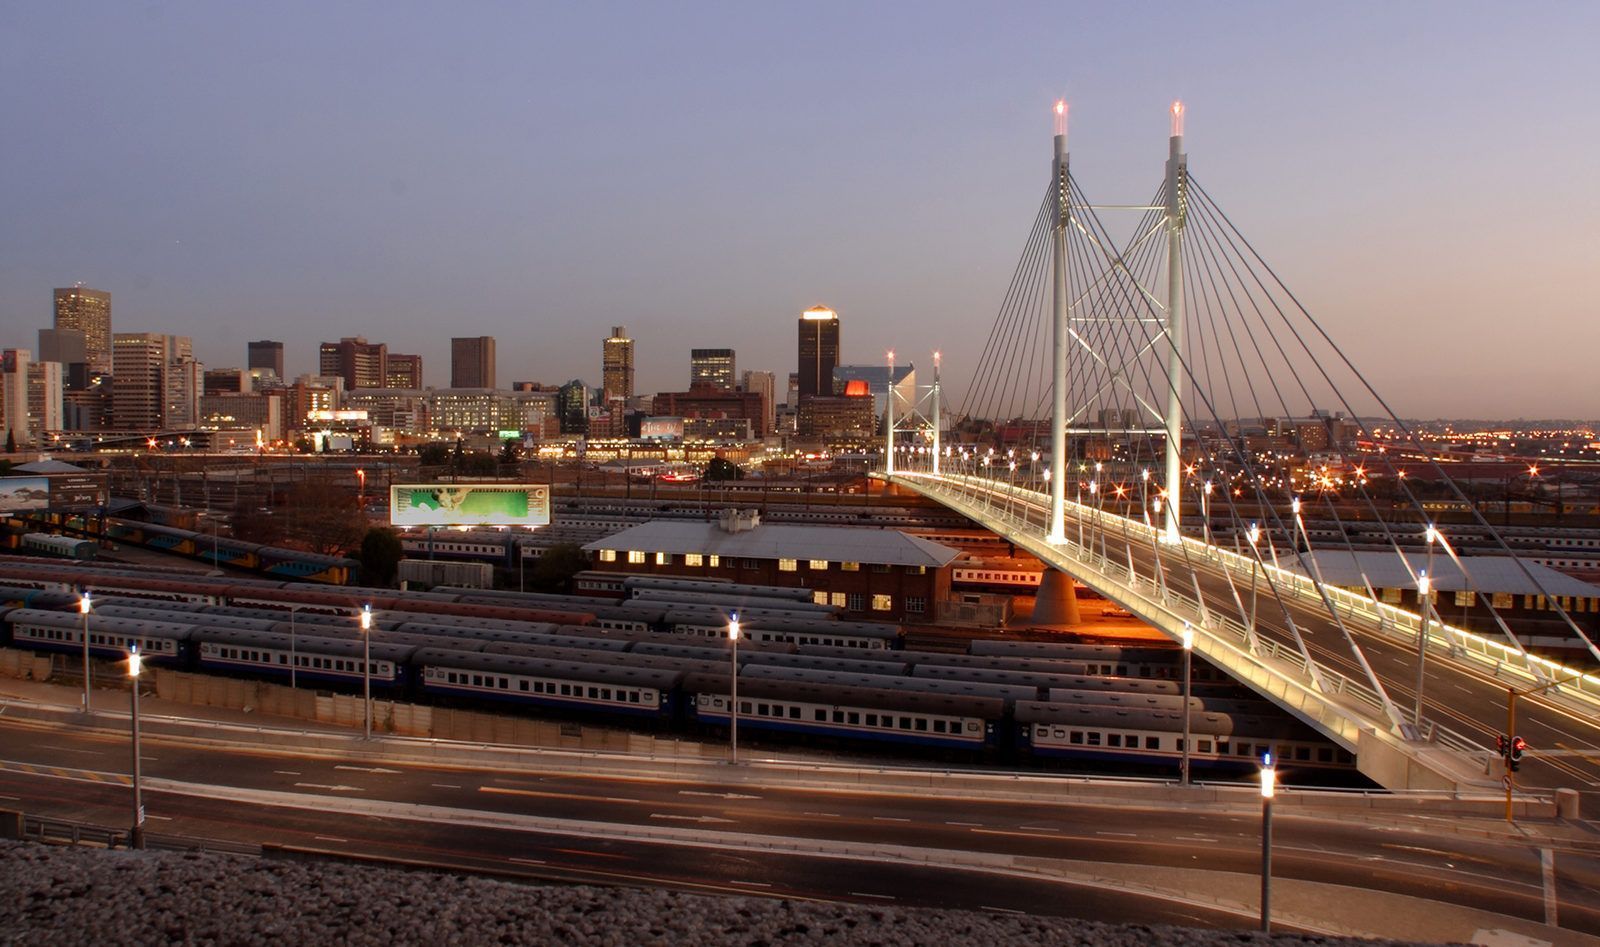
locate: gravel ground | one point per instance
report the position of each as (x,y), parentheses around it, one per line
(52,895)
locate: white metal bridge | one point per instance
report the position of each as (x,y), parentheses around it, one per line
(1131,381)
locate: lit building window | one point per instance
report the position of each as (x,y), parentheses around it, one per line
(636,556)
(608,555)
(819,598)
(836,599)
(693,559)
(819,564)
(663,558)
(850,566)
(1465,597)
(882,603)
(714,561)
(788,565)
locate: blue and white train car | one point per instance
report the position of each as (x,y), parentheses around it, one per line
(40,630)
(566,685)
(333,661)
(855,713)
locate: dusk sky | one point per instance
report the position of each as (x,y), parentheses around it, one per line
(1422,175)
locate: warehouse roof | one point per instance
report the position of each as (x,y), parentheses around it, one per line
(770,541)
(1385,570)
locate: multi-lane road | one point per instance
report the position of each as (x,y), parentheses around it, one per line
(729,830)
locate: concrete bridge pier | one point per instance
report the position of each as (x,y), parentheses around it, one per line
(1057,601)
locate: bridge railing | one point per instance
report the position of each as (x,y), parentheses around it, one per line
(1576,689)
(1273,668)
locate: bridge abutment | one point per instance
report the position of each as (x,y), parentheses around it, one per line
(1057,600)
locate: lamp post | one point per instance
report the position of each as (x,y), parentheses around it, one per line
(1205,511)
(136,836)
(1269,786)
(1425,599)
(366,666)
(84,604)
(733,687)
(1188,653)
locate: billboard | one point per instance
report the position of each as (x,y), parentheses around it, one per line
(469,504)
(24,493)
(77,491)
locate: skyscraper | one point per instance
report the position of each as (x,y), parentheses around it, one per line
(66,347)
(472,362)
(712,367)
(763,384)
(360,363)
(819,351)
(88,311)
(267,354)
(405,371)
(139,390)
(14,418)
(616,365)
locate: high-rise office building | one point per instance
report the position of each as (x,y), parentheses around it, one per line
(45,391)
(765,385)
(139,373)
(360,363)
(712,367)
(88,311)
(405,371)
(573,403)
(819,351)
(616,365)
(66,347)
(14,418)
(183,384)
(267,354)
(472,362)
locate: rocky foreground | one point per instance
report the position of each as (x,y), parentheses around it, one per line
(53,895)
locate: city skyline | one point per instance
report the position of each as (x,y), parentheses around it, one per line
(286,189)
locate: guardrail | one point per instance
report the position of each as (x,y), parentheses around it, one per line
(69,832)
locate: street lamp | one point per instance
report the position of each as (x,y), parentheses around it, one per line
(366,666)
(136,836)
(1205,511)
(1269,786)
(1188,653)
(1255,537)
(733,686)
(84,604)
(1424,587)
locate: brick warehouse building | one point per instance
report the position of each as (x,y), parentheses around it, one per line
(878,574)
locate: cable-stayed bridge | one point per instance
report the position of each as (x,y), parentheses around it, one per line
(1156,417)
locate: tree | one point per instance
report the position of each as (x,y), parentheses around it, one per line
(11,442)
(510,453)
(721,468)
(554,570)
(380,555)
(457,456)
(323,517)
(433,455)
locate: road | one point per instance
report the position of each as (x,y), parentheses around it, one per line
(337,805)
(1564,745)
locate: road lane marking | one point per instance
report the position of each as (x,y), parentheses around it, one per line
(825,815)
(579,851)
(445,786)
(989,907)
(889,818)
(717,795)
(330,788)
(1192,838)
(965,825)
(689,818)
(368,769)
(505,791)
(1041,828)
(330,838)
(163,818)
(529,861)
(286,772)
(866,894)
(12,798)
(1120,834)
(751,884)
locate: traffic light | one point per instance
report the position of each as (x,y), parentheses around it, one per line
(1502,745)
(1518,744)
